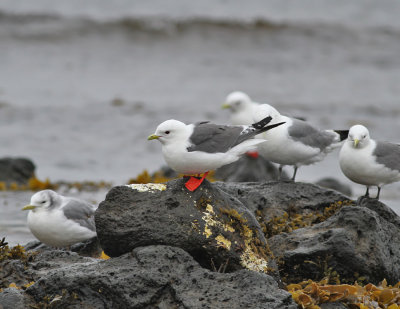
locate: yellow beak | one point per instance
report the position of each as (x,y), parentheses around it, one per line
(225,106)
(153,136)
(29,207)
(356,141)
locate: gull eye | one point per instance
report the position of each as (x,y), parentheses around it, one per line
(364,136)
(167,132)
(43,202)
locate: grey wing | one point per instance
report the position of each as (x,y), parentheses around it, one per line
(388,154)
(81,212)
(212,138)
(305,133)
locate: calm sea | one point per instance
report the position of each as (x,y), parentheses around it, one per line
(83,83)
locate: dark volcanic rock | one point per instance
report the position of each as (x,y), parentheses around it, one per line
(275,198)
(249,169)
(215,228)
(343,239)
(332,183)
(16,170)
(355,242)
(12,298)
(147,277)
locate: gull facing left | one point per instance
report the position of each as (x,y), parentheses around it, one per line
(201,147)
(241,106)
(60,221)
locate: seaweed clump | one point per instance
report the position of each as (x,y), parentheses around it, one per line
(162,176)
(310,294)
(15,253)
(35,184)
(292,220)
(13,261)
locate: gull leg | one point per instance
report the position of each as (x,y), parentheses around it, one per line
(295,172)
(280,172)
(379,191)
(193,183)
(367,192)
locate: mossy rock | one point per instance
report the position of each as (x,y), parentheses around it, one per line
(214,227)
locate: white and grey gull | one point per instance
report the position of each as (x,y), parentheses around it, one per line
(241,107)
(204,146)
(296,142)
(60,221)
(369,162)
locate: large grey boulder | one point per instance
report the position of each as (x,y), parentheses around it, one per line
(16,170)
(357,243)
(325,233)
(147,277)
(12,298)
(214,227)
(249,169)
(271,199)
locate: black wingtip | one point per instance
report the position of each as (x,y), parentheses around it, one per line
(272,126)
(343,134)
(262,123)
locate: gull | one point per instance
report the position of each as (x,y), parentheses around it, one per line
(296,142)
(241,107)
(369,162)
(60,221)
(204,146)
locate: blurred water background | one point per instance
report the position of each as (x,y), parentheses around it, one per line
(83,83)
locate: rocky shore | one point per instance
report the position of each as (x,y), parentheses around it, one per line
(226,245)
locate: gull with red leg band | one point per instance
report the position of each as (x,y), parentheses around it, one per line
(204,146)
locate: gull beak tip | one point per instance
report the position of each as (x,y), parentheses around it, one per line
(225,106)
(152,136)
(28,207)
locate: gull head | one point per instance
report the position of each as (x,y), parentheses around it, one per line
(358,136)
(265,110)
(237,101)
(170,131)
(42,200)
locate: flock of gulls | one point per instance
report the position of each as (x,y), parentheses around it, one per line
(196,149)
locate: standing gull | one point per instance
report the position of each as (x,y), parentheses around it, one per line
(241,107)
(296,142)
(60,221)
(201,147)
(369,162)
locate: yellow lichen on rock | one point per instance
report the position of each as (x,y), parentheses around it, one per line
(211,220)
(250,260)
(255,253)
(223,242)
(148,187)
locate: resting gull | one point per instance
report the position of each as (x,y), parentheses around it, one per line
(60,221)
(201,147)
(296,142)
(369,162)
